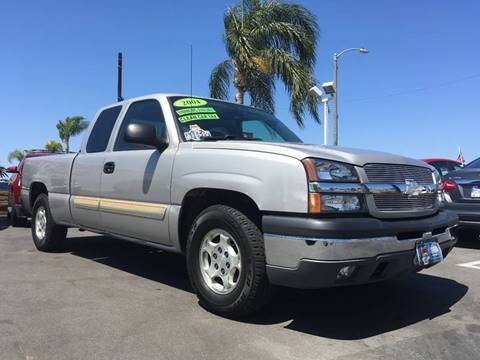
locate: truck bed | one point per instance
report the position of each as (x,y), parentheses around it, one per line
(54,172)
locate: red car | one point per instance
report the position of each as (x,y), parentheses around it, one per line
(16,213)
(444,166)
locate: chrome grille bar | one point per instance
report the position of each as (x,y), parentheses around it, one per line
(388,185)
(391,173)
(401,202)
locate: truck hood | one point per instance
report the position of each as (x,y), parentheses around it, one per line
(299,151)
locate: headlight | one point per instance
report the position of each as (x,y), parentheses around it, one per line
(326,170)
(333,187)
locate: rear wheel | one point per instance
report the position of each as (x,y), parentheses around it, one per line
(47,236)
(226,262)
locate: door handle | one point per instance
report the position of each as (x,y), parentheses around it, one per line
(109,167)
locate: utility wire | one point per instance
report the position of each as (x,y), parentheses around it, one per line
(415,90)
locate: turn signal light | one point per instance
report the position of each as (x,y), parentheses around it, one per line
(310,169)
(314,203)
(448,185)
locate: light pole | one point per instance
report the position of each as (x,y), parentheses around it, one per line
(328,88)
(336,56)
(325,120)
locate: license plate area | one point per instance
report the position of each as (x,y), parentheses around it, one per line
(428,252)
(475,192)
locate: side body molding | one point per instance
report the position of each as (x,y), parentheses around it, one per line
(123,207)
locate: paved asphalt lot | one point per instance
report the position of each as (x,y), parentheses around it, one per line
(106,299)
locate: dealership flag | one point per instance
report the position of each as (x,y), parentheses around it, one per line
(460,157)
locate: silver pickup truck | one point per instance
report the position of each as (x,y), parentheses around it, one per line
(240,195)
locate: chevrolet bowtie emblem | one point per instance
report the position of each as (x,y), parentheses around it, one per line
(412,188)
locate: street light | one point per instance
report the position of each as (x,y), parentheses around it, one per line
(336,56)
(318,92)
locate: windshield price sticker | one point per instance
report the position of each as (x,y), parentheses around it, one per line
(188,102)
(195,117)
(195,110)
(196,133)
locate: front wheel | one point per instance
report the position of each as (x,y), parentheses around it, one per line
(226,262)
(47,236)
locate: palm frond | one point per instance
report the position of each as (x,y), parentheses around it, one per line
(71,126)
(269,40)
(16,155)
(53,146)
(285,36)
(261,87)
(220,80)
(287,25)
(297,79)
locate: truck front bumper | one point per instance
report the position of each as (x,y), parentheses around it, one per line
(315,253)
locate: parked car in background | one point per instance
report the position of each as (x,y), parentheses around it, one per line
(3,195)
(462,195)
(240,195)
(15,210)
(3,186)
(444,166)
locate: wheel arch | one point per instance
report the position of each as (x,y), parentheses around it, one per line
(36,188)
(198,199)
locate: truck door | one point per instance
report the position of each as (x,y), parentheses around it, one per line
(136,180)
(87,171)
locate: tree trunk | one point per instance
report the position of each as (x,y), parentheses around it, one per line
(66,145)
(239,95)
(239,83)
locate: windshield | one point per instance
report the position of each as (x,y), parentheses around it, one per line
(444,167)
(208,120)
(474,164)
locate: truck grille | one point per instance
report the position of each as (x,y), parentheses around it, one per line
(390,173)
(402,202)
(398,174)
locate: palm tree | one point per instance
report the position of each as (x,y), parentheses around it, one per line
(16,155)
(69,127)
(3,172)
(268,40)
(53,146)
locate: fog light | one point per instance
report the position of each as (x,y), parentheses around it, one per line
(340,203)
(345,272)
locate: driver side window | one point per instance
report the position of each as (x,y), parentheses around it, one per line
(143,112)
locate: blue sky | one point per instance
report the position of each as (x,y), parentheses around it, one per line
(415,94)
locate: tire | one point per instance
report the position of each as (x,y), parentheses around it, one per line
(247,288)
(16,221)
(47,236)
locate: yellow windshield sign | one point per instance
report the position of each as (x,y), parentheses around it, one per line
(195,117)
(195,110)
(186,102)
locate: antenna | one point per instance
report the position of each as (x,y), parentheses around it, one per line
(119,77)
(191,70)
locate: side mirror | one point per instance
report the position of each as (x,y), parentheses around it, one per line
(12,170)
(144,134)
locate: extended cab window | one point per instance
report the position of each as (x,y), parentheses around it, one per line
(143,112)
(100,134)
